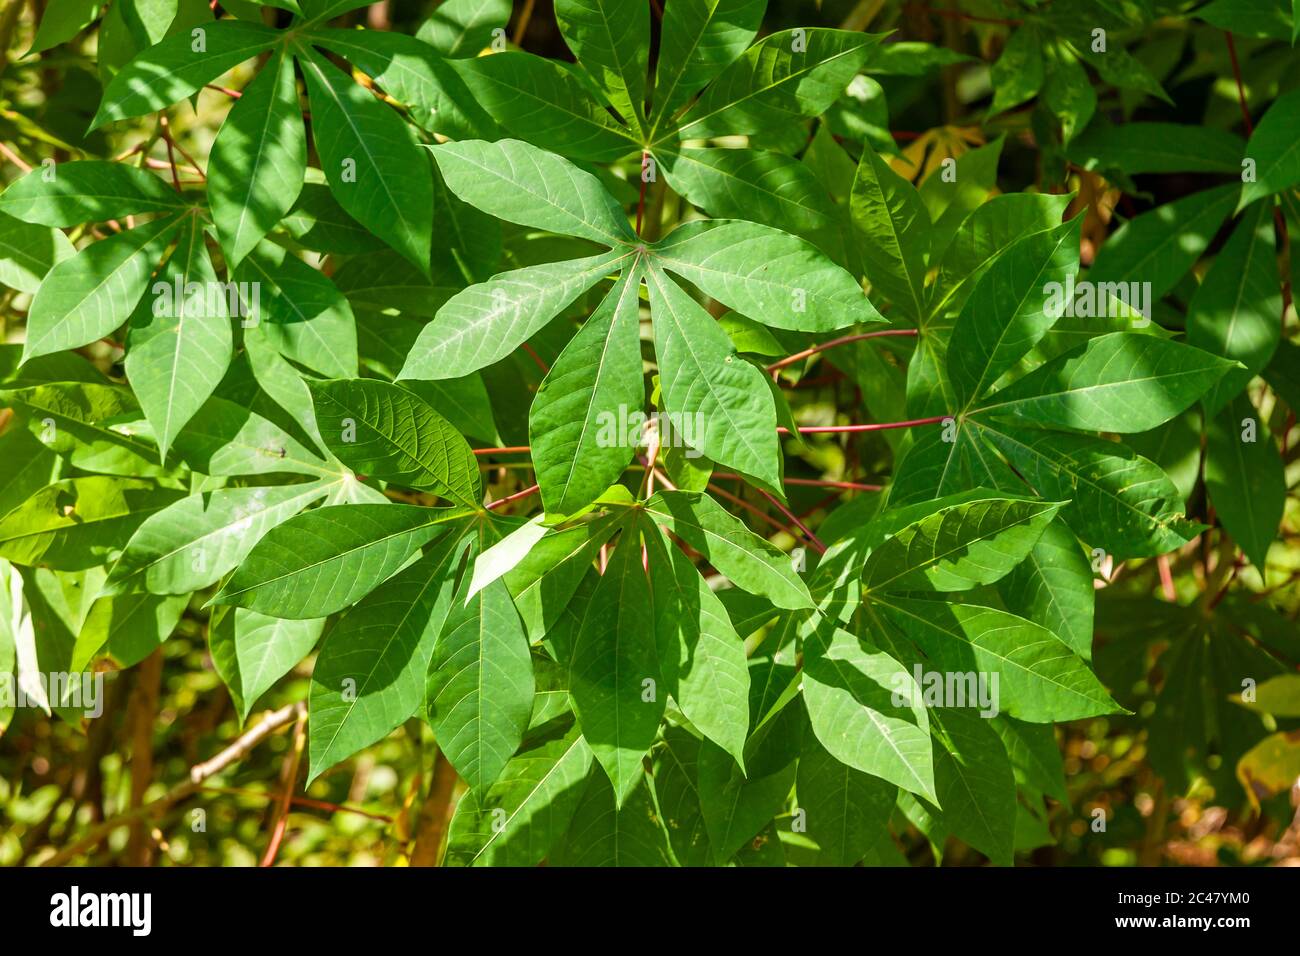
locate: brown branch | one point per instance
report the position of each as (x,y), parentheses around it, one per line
(798,356)
(237,750)
(143,717)
(435,814)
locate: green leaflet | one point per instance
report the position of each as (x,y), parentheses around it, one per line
(958,546)
(486,322)
(461,28)
(975,784)
(1040,679)
(87,296)
(1273,147)
(69,194)
(528,808)
(76,523)
(775,79)
(375,169)
(614,675)
(701,656)
(596,383)
(519,183)
(1018,73)
(323,560)
(770,276)
(382,430)
(28,252)
(251,651)
(847,810)
(697,42)
(1235,311)
(91,424)
(742,556)
(371,671)
(893,225)
(1245,478)
(258,160)
(1160,246)
(853,692)
(173,69)
(1007,312)
(1119,383)
(604,834)
(1053,587)
(299,311)
(480,685)
(722,407)
(542,102)
(180,343)
(612,42)
(195,541)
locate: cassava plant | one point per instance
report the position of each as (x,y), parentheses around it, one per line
(697,433)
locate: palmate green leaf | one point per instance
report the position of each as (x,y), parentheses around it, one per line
(486,322)
(28,252)
(1161,245)
(195,541)
(1273,147)
(894,229)
(750,184)
(767,275)
(480,686)
(847,811)
(744,558)
(86,297)
(536,797)
(1119,501)
(520,183)
(701,656)
(614,675)
(850,688)
(1236,310)
(370,674)
(259,158)
(595,383)
(603,834)
(612,42)
(975,783)
(1119,382)
(178,66)
(542,102)
(719,400)
(1245,478)
(69,194)
(180,342)
(90,424)
(375,168)
(784,76)
(698,40)
(324,560)
(251,651)
(76,523)
(299,311)
(382,430)
(1040,678)
(958,546)
(1007,312)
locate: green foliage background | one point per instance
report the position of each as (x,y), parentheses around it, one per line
(364,492)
